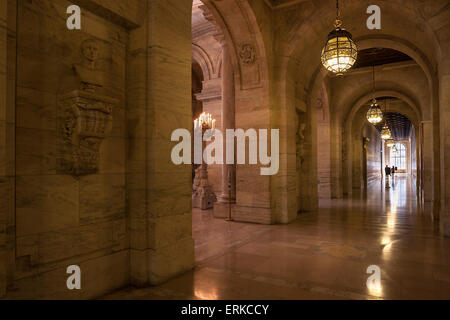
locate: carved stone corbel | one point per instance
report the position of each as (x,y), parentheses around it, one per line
(85,120)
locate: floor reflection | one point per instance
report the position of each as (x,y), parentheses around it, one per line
(322,255)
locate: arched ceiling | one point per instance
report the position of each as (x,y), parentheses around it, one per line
(379,56)
(201,27)
(399,124)
(311,21)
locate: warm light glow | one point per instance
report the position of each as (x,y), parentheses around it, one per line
(209,294)
(375,289)
(390,143)
(340,51)
(205,121)
(386,133)
(386,243)
(374,115)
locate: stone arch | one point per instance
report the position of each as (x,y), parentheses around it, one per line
(354,126)
(203,60)
(243,39)
(237,21)
(299,69)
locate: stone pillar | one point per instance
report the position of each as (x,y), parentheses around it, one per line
(159,192)
(336,159)
(228,121)
(357,159)
(7,141)
(444,102)
(309,195)
(3,95)
(427,159)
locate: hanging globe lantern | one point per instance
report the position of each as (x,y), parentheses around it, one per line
(390,143)
(386,133)
(374,115)
(340,51)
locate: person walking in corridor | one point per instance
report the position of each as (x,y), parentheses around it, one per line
(387,171)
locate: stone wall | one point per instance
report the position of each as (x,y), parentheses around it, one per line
(109,199)
(373,153)
(413,151)
(323,153)
(7,145)
(69,211)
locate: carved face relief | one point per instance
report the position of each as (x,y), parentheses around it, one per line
(90,50)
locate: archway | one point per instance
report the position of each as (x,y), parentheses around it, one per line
(231,61)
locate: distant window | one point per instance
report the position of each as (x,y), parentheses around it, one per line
(399,159)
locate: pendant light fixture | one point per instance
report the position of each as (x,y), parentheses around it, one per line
(385,132)
(340,51)
(390,143)
(374,115)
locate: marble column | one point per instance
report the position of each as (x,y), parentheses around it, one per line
(228,121)
(160,192)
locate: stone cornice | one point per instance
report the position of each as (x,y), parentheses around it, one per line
(209,96)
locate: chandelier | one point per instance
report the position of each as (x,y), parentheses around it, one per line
(374,115)
(390,143)
(205,121)
(386,133)
(340,51)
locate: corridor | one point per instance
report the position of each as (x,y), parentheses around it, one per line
(322,255)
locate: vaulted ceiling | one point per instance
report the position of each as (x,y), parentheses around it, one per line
(399,124)
(201,27)
(379,56)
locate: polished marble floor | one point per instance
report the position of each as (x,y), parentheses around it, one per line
(322,255)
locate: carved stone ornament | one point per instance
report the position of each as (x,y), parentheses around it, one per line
(366,143)
(247,53)
(203,196)
(84,118)
(300,144)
